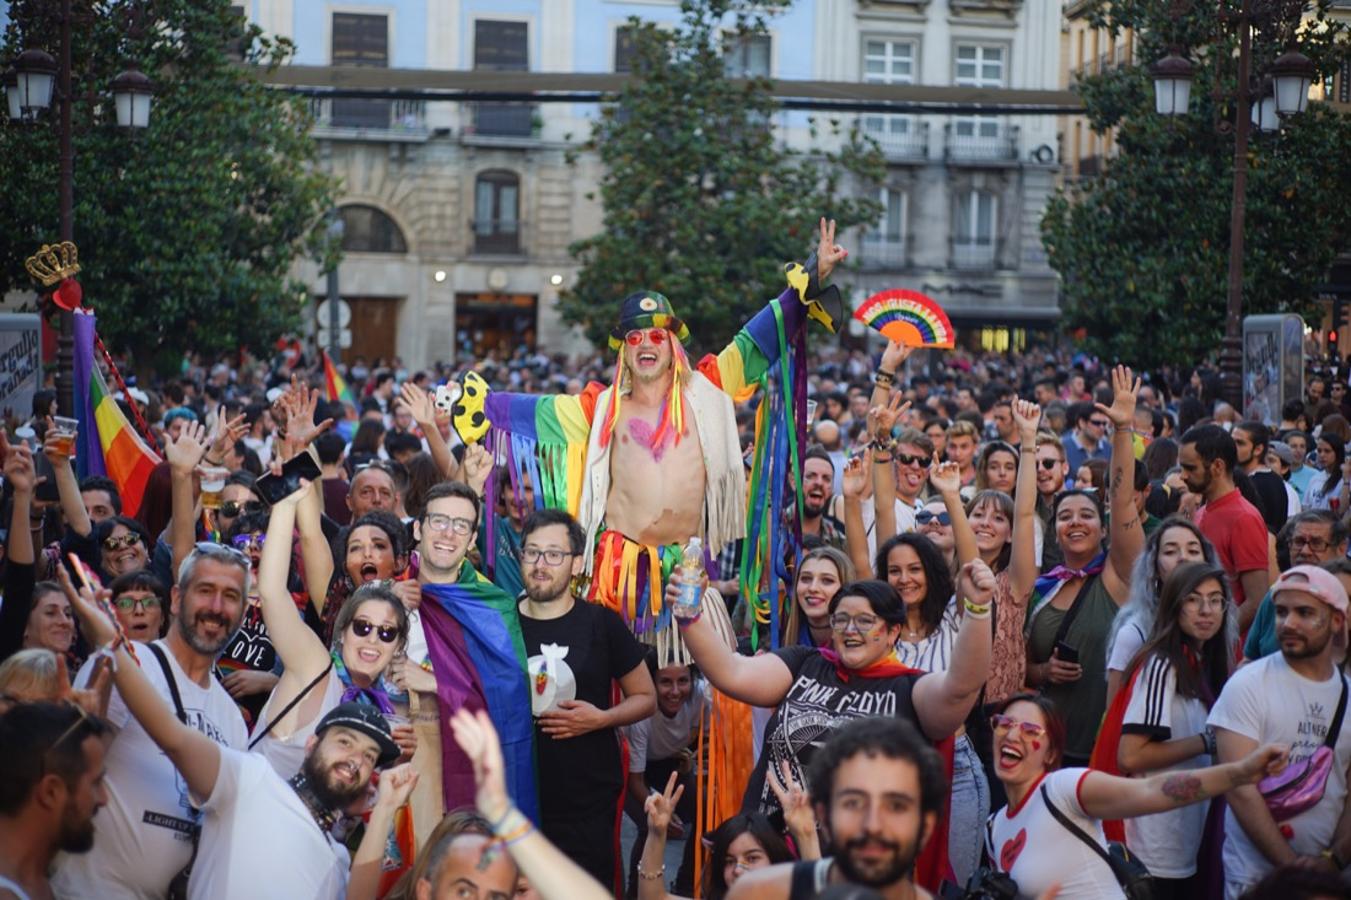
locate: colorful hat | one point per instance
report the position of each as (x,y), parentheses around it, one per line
(646,309)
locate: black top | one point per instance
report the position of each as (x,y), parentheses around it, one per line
(582,776)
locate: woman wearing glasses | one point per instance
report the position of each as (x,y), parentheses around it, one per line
(369,633)
(123,546)
(1030,839)
(141,602)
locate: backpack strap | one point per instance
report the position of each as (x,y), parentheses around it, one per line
(1079,832)
(172,682)
(1335,731)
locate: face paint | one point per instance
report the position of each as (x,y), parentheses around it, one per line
(1036,745)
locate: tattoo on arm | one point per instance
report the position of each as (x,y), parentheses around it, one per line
(1183,789)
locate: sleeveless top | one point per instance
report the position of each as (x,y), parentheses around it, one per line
(1081,702)
(13,888)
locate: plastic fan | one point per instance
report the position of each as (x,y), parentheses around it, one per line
(907,317)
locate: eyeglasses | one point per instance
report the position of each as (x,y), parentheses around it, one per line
(1049,464)
(243,542)
(924,517)
(655,335)
(531,555)
(1002,723)
(127,604)
(443,522)
(1317,545)
(906,459)
(1099,423)
(232,508)
(862,624)
(113,544)
(388,634)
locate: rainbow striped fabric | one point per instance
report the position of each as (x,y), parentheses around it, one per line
(334,385)
(108,443)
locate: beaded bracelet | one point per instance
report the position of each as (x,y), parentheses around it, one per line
(651,876)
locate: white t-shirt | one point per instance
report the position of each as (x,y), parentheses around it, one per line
(142,837)
(259,840)
(1268,701)
(905,521)
(1037,851)
(1166,842)
(660,737)
(286,752)
(1128,641)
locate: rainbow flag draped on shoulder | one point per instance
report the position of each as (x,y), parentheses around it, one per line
(108,443)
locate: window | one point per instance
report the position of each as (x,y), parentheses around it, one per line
(502,47)
(890,62)
(1344,83)
(884,246)
(497,201)
(360,39)
(748,56)
(978,66)
(974,232)
(624,48)
(366,229)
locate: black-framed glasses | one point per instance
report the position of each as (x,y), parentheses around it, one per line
(862,623)
(112,543)
(442,522)
(1317,545)
(388,634)
(532,555)
(924,517)
(128,603)
(232,508)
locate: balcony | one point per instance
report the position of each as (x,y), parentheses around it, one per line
(900,138)
(357,118)
(507,120)
(973,256)
(497,237)
(880,251)
(982,145)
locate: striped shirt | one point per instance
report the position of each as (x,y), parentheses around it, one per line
(933,653)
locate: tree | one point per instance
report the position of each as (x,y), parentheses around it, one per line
(187,231)
(701,201)
(1143,249)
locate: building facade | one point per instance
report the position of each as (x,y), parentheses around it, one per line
(457,216)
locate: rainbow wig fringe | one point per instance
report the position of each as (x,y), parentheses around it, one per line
(672,418)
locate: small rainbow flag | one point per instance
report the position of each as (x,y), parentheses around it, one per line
(108,444)
(334,385)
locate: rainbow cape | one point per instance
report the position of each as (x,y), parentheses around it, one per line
(335,387)
(108,444)
(478,654)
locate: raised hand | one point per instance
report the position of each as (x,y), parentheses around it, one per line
(946,477)
(476,736)
(796,802)
(226,433)
(857,471)
(420,404)
(93,611)
(184,454)
(828,253)
(1027,416)
(19,471)
(50,448)
(661,807)
(894,356)
(976,582)
(396,785)
(299,405)
(476,465)
(1125,387)
(882,419)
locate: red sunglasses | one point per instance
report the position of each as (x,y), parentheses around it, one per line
(655,335)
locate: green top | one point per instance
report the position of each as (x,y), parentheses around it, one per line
(1081,702)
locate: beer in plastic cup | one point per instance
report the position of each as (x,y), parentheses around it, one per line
(213,483)
(63,434)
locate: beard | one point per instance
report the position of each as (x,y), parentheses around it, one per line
(1308,648)
(76,835)
(813,510)
(895,870)
(188,632)
(546,593)
(331,796)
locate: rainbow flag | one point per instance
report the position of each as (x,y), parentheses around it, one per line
(334,385)
(108,444)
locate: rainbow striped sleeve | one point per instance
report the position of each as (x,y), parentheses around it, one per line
(755,347)
(544,436)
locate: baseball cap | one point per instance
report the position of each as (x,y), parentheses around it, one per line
(367,720)
(1315,582)
(1283,452)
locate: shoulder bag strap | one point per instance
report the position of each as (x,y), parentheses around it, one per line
(1070,613)
(290,706)
(1078,832)
(1331,740)
(173,683)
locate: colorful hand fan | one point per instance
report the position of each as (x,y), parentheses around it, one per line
(907,317)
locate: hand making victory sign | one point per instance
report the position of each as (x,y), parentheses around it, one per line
(828,253)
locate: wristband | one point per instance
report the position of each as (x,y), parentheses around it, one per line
(211,462)
(651,876)
(1208,740)
(686,623)
(976,611)
(884,379)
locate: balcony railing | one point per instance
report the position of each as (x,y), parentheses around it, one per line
(973,255)
(899,137)
(497,236)
(504,119)
(882,252)
(1001,145)
(392,117)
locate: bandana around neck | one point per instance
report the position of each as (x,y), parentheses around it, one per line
(376,695)
(888,666)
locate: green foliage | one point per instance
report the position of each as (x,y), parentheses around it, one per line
(1143,249)
(187,230)
(701,202)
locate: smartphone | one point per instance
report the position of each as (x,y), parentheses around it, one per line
(275,488)
(1066,653)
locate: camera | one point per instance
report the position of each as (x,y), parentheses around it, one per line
(985,884)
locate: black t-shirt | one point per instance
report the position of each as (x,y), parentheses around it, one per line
(1275,502)
(581,776)
(817,705)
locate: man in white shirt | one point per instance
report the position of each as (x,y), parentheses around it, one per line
(1291,697)
(143,838)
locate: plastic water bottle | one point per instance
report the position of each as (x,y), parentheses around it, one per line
(691,581)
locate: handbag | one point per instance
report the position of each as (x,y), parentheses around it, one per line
(1133,876)
(178,887)
(1300,786)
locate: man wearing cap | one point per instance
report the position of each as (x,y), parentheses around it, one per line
(1296,697)
(1314,537)
(656,458)
(1281,461)
(260,835)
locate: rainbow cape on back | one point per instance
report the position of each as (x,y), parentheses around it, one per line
(108,444)
(478,655)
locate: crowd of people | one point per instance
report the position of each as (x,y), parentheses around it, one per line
(1052,629)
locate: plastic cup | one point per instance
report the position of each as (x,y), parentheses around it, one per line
(63,434)
(811,411)
(213,484)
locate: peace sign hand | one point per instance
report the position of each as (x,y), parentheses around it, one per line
(883,419)
(661,807)
(793,797)
(828,253)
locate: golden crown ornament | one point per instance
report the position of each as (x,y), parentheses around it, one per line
(54,263)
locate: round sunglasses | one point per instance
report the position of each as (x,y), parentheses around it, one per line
(388,634)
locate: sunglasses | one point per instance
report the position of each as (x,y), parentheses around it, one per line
(906,459)
(232,508)
(84,721)
(1049,464)
(1002,723)
(924,517)
(243,542)
(1099,423)
(112,544)
(388,634)
(127,604)
(655,335)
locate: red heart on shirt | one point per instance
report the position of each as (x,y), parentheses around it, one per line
(1009,854)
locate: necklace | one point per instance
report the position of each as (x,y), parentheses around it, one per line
(323,817)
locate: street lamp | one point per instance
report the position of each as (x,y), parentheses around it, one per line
(1293,74)
(11,84)
(132,93)
(1264,116)
(1172,84)
(36,72)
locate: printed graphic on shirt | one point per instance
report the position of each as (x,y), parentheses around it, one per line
(552,680)
(251,647)
(186,818)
